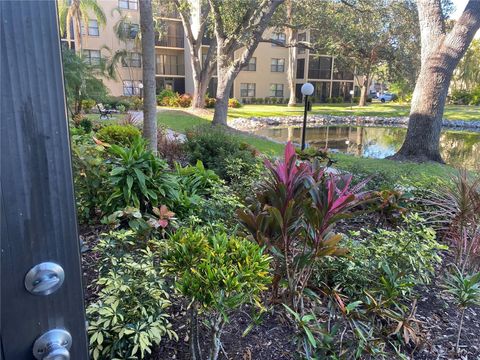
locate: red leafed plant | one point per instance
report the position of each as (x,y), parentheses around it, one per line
(293,215)
(456,212)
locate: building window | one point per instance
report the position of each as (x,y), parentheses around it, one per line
(300,68)
(276,90)
(252,65)
(247,90)
(170,65)
(320,67)
(280,37)
(93,29)
(278,65)
(92,56)
(130,87)
(302,37)
(132,59)
(128,4)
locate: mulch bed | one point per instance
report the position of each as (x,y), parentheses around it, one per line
(273,338)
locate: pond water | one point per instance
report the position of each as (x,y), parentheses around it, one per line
(458,148)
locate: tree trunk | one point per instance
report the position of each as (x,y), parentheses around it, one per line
(224,87)
(438,63)
(363,91)
(77,36)
(199,94)
(149,83)
(216,333)
(292,55)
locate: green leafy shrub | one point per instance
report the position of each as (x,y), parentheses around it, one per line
(86,125)
(217,273)
(339,99)
(88,105)
(356,99)
(330,100)
(165,96)
(209,102)
(411,251)
(201,197)
(123,135)
(213,147)
(259,101)
(90,175)
(129,317)
(137,103)
(461,97)
(234,103)
(121,108)
(138,178)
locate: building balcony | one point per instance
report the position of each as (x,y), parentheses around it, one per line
(170,41)
(174,70)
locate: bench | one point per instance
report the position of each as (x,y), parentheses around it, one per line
(104,113)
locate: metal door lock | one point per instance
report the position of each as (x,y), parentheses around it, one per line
(53,345)
(44,278)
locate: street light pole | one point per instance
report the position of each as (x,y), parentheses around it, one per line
(304,122)
(307,90)
(351,99)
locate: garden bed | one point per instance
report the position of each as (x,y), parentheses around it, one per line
(272,338)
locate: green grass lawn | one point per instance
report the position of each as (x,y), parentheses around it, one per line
(181,121)
(452,112)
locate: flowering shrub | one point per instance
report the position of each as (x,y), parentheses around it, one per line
(234,103)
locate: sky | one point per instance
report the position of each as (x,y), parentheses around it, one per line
(459,7)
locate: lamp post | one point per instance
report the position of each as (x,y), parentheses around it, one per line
(351,99)
(307,90)
(140,86)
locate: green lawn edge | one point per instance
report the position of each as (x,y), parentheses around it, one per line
(405,172)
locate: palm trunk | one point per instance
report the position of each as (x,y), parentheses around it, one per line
(292,55)
(292,61)
(149,83)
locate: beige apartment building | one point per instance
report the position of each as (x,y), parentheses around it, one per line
(265,76)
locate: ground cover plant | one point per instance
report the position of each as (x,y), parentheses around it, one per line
(192,259)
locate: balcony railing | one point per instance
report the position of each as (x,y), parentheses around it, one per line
(170,41)
(170,69)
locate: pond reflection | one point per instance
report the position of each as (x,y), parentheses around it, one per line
(457,148)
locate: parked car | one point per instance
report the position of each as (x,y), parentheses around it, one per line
(386,97)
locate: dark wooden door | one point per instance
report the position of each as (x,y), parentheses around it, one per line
(38,220)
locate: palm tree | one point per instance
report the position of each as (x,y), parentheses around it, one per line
(77,12)
(147,26)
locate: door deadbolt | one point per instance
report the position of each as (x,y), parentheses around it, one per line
(53,345)
(44,278)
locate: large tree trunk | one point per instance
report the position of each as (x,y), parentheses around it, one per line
(227,66)
(149,83)
(440,55)
(224,87)
(199,93)
(364,90)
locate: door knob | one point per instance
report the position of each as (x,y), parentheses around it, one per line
(44,278)
(53,345)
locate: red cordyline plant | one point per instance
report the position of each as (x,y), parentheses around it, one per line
(293,215)
(456,212)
